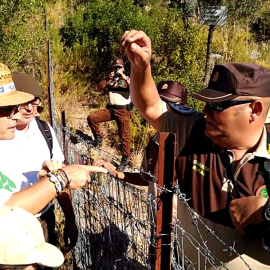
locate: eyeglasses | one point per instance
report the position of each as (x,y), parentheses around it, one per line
(221,106)
(11,110)
(34,103)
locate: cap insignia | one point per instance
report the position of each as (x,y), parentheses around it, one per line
(165,86)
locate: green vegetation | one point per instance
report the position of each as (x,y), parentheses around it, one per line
(84,38)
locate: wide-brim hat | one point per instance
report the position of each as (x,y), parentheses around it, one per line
(22,240)
(8,94)
(172,91)
(26,83)
(232,80)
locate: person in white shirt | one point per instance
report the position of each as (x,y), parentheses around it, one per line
(30,139)
(15,189)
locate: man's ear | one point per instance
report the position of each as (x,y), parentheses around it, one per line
(257,109)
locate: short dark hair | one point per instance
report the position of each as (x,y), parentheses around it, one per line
(12,267)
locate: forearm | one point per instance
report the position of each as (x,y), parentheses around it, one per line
(131,178)
(144,95)
(134,178)
(34,198)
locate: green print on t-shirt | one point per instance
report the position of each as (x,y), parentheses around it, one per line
(6,183)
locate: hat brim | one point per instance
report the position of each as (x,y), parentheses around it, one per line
(15,98)
(211,95)
(46,255)
(118,65)
(169,97)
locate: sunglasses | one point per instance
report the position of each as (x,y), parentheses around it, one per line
(11,110)
(221,106)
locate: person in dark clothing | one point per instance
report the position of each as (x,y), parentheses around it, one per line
(118,109)
(221,166)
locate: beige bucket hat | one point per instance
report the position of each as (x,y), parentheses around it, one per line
(22,240)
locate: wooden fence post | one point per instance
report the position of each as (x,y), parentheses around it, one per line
(166,165)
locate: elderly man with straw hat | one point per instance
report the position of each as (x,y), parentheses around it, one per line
(37,196)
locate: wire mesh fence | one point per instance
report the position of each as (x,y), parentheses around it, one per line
(114,228)
(117,227)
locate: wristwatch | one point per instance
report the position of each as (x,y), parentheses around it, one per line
(266,211)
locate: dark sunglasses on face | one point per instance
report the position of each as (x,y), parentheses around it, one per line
(221,106)
(11,110)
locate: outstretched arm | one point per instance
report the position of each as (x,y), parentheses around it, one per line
(36,197)
(143,90)
(132,178)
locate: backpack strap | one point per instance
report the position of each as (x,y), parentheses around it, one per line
(46,132)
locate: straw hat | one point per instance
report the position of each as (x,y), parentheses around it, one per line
(22,240)
(8,93)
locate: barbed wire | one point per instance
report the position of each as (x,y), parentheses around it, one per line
(110,207)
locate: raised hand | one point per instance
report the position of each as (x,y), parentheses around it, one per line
(138,48)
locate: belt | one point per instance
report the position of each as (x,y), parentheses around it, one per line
(117,106)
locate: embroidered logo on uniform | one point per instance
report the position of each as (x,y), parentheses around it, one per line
(199,167)
(215,77)
(165,86)
(262,192)
(227,185)
(6,183)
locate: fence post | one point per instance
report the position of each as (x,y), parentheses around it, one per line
(166,164)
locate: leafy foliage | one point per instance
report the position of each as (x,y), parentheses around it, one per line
(84,38)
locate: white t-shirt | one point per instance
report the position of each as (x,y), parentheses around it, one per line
(21,159)
(119,98)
